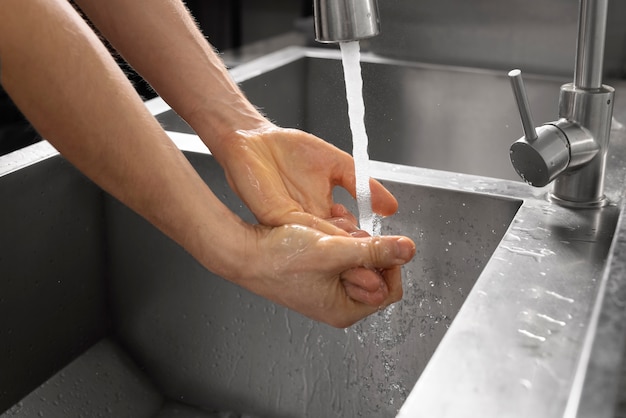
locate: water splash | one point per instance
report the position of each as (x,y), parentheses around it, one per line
(552,320)
(384,375)
(536,254)
(351,60)
(559,297)
(527,384)
(531,335)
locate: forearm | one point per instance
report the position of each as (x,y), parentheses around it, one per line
(65,82)
(161,41)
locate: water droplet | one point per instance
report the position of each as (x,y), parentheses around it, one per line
(531,335)
(527,384)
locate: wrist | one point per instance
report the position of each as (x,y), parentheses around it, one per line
(218,117)
(225,113)
(226,250)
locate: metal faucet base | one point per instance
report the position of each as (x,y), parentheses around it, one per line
(603,202)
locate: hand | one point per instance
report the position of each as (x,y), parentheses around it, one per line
(304,269)
(287,176)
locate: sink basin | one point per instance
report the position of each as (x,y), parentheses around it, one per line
(471,113)
(205,341)
(512,304)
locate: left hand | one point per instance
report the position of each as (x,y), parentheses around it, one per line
(286,176)
(304,269)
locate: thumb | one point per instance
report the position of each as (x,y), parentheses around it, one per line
(383,202)
(376,252)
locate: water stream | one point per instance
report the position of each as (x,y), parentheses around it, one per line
(378,329)
(351,60)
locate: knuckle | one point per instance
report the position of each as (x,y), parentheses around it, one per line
(377,251)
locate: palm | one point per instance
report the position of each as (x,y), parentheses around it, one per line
(287,176)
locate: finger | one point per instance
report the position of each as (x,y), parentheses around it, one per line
(343,218)
(343,253)
(393,282)
(372,252)
(340,211)
(345,224)
(367,279)
(358,294)
(383,202)
(381,252)
(363,303)
(380,298)
(306,219)
(359,233)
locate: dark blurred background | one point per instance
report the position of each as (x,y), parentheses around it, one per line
(228,25)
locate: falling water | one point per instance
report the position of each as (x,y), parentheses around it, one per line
(350,57)
(379,326)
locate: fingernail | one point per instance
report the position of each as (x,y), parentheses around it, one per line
(405,249)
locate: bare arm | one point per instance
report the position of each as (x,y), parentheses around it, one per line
(66,83)
(68,86)
(162,42)
(160,39)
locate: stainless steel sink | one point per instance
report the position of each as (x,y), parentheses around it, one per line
(217,346)
(210,344)
(512,304)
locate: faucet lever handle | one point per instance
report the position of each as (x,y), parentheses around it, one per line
(515,76)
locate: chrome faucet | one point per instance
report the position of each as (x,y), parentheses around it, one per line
(572,150)
(345,20)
